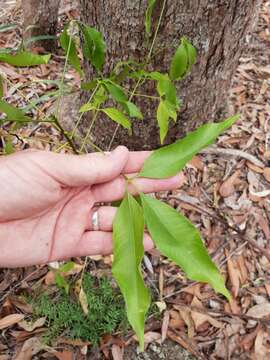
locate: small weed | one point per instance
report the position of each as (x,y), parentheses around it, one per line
(64,313)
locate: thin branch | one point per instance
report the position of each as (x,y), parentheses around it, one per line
(233,152)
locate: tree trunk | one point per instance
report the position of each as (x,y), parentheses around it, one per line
(40,18)
(216,28)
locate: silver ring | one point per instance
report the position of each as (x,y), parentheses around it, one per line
(95,223)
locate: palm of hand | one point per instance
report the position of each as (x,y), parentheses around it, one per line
(48,199)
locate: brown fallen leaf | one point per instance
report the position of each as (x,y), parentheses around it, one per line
(254,167)
(259,311)
(30,348)
(30,326)
(151,336)
(186,316)
(196,162)
(81,296)
(63,355)
(227,188)
(4,357)
(199,318)
(117,352)
(261,352)
(10,320)
(194,290)
(176,322)
(165,325)
(233,275)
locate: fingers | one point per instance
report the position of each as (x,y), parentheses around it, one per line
(135,161)
(100,243)
(115,189)
(82,170)
(105,216)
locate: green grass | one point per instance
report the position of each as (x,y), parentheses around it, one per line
(64,314)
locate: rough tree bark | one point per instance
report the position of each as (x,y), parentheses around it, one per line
(217,28)
(40,18)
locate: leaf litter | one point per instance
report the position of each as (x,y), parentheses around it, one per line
(226,194)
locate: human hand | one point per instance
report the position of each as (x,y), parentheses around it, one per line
(47,202)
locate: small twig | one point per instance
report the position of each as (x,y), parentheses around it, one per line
(147,59)
(65,134)
(208,312)
(233,152)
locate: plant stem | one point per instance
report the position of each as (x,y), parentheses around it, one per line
(88,134)
(61,85)
(81,115)
(147,59)
(65,134)
(118,125)
(156,32)
(147,96)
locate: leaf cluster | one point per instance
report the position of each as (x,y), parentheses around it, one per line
(64,314)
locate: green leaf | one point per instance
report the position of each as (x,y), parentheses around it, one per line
(100,97)
(69,46)
(9,148)
(89,85)
(93,46)
(192,54)
(39,38)
(167,88)
(169,160)
(24,58)
(163,120)
(118,117)
(133,110)
(128,229)
(86,107)
(13,113)
(66,267)
(7,27)
(171,109)
(61,282)
(148,15)
(183,59)
(115,90)
(178,239)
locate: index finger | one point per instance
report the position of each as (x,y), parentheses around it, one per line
(135,161)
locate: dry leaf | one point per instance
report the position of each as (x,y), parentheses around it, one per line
(259,311)
(4,357)
(83,301)
(161,305)
(227,188)
(117,352)
(233,275)
(194,290)
(165,325)
(186,316)
(150,337)
(196,162)
(30,348)
(30,326)
(200,318)
(63,355)
(266,173)
(260,351)
(82,296)
(176,322)
(10,320)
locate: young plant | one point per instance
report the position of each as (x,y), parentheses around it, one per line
(173,234)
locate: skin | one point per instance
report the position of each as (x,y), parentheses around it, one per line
(47,202)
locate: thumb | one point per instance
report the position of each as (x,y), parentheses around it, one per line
(83,170)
